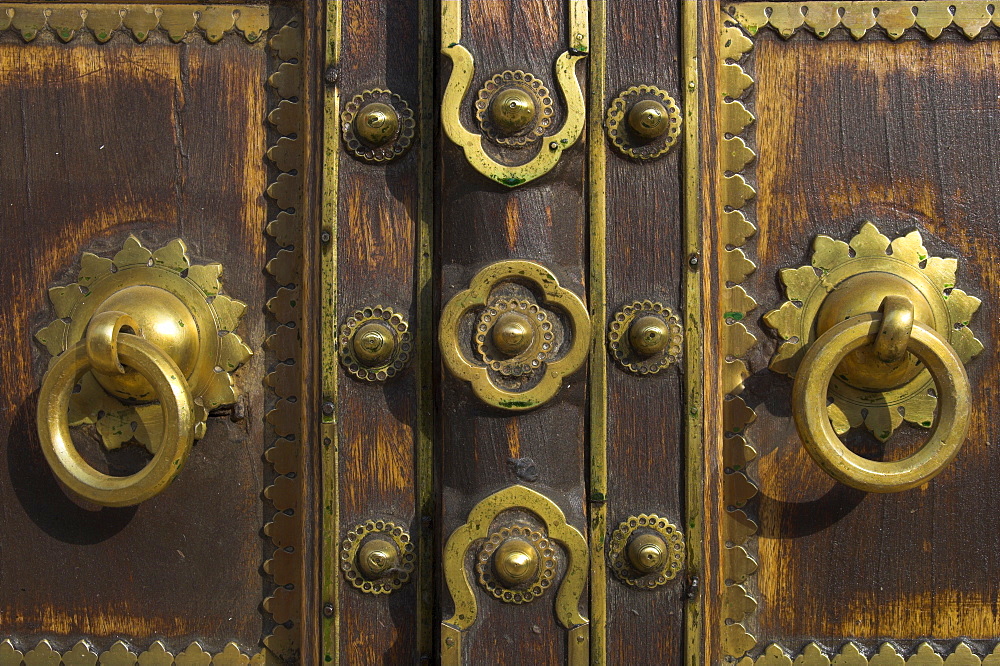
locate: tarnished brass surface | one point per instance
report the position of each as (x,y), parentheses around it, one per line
(514,109)
(120,654)
(533,376)
(460,80)
(888,654)
(378,125)
(517,564)
(375,343)
(645,337)
(570,592)
(818,436)
(512,334)
(643,122)
(646,551)
(894,334)
(377,557)
(865,389)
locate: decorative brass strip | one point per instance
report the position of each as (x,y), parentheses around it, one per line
(598,368)
(65,21)
(329,366)
(285,381)
(82,654)
(932,17)
(737,341)
(851,655)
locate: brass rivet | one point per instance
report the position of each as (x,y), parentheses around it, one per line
(376,558)
(511,110)
(376,124)
(515,562)
(373,344)
(648,335)
(648,118)
(647,553)
(512,333)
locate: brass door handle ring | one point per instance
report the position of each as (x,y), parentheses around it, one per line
(809,400)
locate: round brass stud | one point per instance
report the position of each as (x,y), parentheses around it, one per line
(376,124)
(646,551)
(514,337)
(511,110)
(644,122)
(514,109)
(648,118)
(512,334)
(377,557)
(517,564)
(375,344)
(645,337)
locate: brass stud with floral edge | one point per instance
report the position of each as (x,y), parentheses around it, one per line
(377,125)
(375,344)
(645,337)
(516,564)
(514,109)
(377,557)
(646,551)
(644,122)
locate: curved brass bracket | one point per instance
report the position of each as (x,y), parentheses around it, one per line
(463,68)
(477,527)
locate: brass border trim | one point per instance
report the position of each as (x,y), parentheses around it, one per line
(82,654)
(66,21)
(851,655)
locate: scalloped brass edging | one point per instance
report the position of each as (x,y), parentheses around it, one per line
(463,69)
(477,527)
(851,655)
(932,17)
(65,21)
(82,654)
(737,340)
(477,296)
(284,343)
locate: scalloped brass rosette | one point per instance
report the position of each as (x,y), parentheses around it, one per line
(646,551)
(645,337)
(514,334)
(514,109)
(375,343)
(849,279)
(152,287)
(378,125)
(516,564)
(644,122)
(377,557)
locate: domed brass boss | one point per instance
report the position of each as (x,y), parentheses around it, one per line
(649,335)
(512,110)
(647,553)
(512,334)
(648,118)
(515,562)
(373,344)
(376,124)
(376,558)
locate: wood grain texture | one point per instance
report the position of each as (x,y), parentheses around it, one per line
(894,134)
(162,141)
(483,450)
(645,235)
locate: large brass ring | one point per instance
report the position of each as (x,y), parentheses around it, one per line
(178,424)
(809,403)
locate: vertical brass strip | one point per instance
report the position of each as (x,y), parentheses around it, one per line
(693,314)
(328,340)
(426,105)
(598,359)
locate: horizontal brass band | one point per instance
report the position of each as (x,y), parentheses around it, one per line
(851,655)
(82,654)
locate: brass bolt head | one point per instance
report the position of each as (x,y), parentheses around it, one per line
(373,344)
(376,558)
(512,333)
(376,124)
(515,562)
(648,119)
(647,553)
(511,110)
(649,335)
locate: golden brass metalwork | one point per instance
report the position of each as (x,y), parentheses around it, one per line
(560,334)
(850,654)
(512,334)
(477,527)
(646,551)
(867,390)
(378,126)
(181,351)
(103,21)
(517,564)
(460,80)
(83,654)
(643,122)
(645,337)
(377,557)
(375,344)
(514,109)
